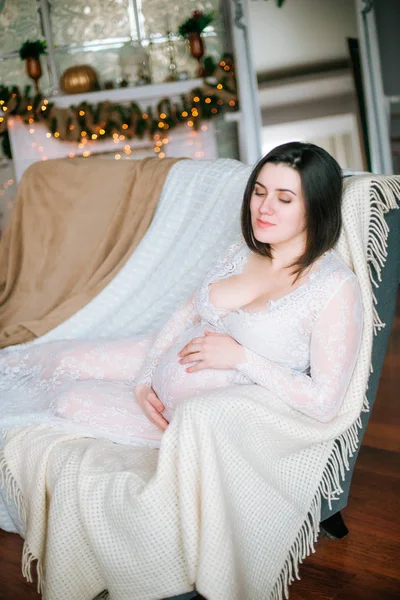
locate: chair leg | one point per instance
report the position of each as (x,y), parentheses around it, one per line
(334,526)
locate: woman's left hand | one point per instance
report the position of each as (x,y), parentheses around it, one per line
(212,351)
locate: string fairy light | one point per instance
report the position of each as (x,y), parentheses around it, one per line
(198,105)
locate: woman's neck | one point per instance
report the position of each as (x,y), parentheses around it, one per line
(286,253)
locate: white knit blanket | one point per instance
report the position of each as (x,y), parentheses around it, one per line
(232,501)
(196,220)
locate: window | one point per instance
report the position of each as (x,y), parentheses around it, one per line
(106,34)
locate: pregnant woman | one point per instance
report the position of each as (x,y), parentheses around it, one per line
(280,310)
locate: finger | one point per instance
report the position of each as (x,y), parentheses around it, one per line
(212,333)
(199,367)
(183,352)
(191,349)
(196,341)
(155,416)
(155,401)
(191,358)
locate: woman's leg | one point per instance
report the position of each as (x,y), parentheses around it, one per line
(115,360)
(96,387)
(105,406)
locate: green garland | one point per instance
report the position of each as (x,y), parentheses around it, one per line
(110,120)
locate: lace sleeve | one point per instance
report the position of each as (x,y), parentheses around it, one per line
(335,343)
(185,316)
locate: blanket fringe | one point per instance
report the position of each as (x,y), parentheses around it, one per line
(302,547)
(27,559)
(383,193)
(13,493)
(330,489)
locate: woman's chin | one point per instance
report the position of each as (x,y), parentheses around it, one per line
(264,237)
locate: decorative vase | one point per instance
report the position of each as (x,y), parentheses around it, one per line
(133,61)
(197,49)
(79,79)
(34,71)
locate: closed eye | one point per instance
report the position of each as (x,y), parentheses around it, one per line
(285,201)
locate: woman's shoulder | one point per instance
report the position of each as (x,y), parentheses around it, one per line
(335,267)
(338,277)
(233,252)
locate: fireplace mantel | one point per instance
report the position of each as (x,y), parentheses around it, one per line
(145,94)
(30,144)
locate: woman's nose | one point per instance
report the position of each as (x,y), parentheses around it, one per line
(266,207)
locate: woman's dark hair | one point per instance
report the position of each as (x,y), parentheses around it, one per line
(321,182)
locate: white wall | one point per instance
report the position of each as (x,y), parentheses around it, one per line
(300,32)
(338,134)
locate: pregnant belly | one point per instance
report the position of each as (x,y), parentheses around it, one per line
(173,384)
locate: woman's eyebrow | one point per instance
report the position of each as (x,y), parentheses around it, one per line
(285,190)
(277,189)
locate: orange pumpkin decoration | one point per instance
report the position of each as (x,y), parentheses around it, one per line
(79,79)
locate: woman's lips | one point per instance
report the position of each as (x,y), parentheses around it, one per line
(265,224)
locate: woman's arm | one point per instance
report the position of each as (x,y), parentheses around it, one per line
(335,343)
(185,316)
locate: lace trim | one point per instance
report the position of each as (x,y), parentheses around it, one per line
(234,264)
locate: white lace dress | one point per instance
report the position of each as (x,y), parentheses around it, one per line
(303,347)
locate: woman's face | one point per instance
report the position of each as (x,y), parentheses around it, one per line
(277,206)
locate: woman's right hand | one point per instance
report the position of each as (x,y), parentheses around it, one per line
(151,405)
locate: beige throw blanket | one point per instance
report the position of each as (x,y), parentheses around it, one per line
(233,502)
(74,225)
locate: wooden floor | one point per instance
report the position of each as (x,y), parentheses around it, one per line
(365,565)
